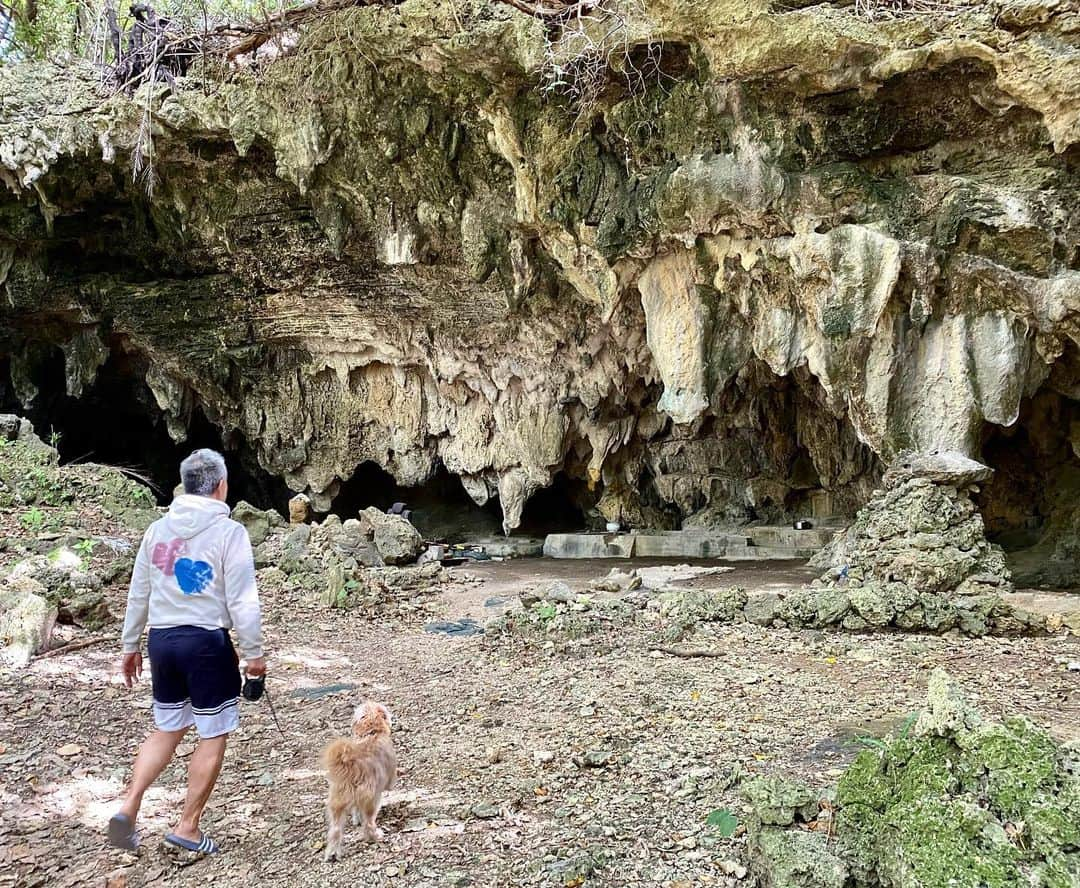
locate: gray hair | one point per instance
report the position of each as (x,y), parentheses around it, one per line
(202,472)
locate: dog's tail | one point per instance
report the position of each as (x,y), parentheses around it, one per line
(348,763)
(338,756)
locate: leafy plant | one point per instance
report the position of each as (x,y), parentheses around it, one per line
(905,728)
(33,520)
(546,611)
(84,547)
(725,822)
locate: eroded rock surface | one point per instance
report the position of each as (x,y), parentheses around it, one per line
(816,240)
(922,531)
(950,799)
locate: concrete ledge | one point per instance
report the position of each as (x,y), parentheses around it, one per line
(589,545)
(758,544)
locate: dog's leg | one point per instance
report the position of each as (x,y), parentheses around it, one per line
(355,817)
(335,820)
(371,832)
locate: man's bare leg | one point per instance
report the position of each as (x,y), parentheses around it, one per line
(155,753)
(202,775)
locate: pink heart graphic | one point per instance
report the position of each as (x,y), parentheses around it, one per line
(165,555)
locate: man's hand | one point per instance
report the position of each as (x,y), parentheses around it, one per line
(255,667)
(131,668)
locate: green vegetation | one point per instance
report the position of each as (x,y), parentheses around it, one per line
(950,801)
(63,30)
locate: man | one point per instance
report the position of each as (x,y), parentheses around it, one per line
(194,579)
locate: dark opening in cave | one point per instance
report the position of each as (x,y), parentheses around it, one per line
(116,421)
(1036,472)
(559,508)
(441,509)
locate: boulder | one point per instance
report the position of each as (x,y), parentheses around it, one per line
(255,521)
(763,608)
(15,428)
(300,509)
(396,540)
(76,594)
(941,467)
(26,620)
(785,859)
(779,802)
(617,581)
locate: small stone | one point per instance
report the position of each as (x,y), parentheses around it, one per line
(299,509)
(543,756)
(1073,666)
(484,811)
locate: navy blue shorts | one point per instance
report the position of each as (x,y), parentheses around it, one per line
(196,679)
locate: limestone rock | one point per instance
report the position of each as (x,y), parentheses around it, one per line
(26,620)
(922,533)
(762,608)
(779,802)
(667,307)
(948,468)
(937,804)
(617,581)
(300,509)
(75,593)
(783,859)
(555,591)
(395,538)
(255,521)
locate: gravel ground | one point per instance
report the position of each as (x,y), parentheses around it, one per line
(519,766)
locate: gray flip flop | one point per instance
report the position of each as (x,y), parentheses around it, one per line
(122,833)
(206,845)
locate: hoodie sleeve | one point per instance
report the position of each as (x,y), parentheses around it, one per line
(138,603)
(241,594)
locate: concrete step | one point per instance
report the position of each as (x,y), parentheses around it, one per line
(787,537)
(774,543)
(768,553)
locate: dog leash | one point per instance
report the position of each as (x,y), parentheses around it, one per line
(273,714)
(253,689)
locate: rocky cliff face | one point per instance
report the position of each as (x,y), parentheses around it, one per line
(805,241)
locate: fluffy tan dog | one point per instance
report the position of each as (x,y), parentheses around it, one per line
(359,770)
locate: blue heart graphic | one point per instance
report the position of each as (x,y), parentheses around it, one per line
(193,576)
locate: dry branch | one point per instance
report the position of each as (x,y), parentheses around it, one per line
(688,651)
(74,646)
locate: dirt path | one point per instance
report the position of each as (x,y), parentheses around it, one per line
(528,768)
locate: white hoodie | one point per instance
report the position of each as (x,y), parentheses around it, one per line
(195,568)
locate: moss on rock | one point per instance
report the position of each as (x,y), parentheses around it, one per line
(956,803)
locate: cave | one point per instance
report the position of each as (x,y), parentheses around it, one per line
(1036,470)
(442,510)
(439,508)
(116,421)
(558,508)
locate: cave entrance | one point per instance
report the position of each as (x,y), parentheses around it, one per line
(442,510)
(1036,471)
(116,421)
(440,507)
(559,508)
(1031,504)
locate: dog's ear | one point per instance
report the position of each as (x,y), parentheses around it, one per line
(384,709)
(360,712)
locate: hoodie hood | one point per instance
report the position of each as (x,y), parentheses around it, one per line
(190,515)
